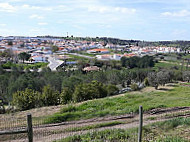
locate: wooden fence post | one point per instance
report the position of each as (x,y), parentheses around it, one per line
(29,128)
(140,123)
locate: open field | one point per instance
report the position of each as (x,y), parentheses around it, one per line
(149,99)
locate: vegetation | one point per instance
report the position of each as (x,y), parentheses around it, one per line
(178,96)
(10,65)
(166,131)
(54,48)
(24,56)
(133,62)
(94,126)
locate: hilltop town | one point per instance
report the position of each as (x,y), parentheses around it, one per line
(57,51)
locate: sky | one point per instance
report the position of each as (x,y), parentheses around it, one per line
(149,20)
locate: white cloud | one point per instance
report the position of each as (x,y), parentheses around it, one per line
(42,24)
(182,13)
(29,7)
(6,7)
(3,25)
(110,9)
(35,16)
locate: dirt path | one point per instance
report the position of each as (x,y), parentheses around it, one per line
(48,133)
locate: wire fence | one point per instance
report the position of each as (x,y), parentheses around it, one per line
(158,125)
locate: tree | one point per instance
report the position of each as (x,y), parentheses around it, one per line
(143,62)
(10,43)
(186,76)
(26,99)
(111,89)
(54,48)
(24,56)
(89,91)
(50,96)
(163,77)
(153,80)
(7,54)
(66,95)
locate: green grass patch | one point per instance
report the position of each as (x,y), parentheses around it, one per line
(169,65)
(102,136)
(130,102)
(9,65)
(157,132)
(75,58)
(166,65)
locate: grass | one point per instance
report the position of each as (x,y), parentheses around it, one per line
(166,131)
(75,58)
(94,126)
(169,65)
(179,96)
(170,130)
(166,65)
(101,136)
(8,65)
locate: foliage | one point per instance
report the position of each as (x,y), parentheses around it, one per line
(125,104)
(133,62)
(89,91)
(146,83)
(50,96)
(111,89)
(134,87)
(54,48)
(186,76)
(25,99)
(153,80)
(10,43)
(24,56)
(66,95)
(113,135)
(154,132)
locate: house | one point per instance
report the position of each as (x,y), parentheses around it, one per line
(91,68)
(117,56)
(104,57)
(39,58)
(101,51)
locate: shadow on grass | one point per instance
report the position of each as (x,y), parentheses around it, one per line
(163,89)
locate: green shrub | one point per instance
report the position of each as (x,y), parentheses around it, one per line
(134,87)
(27,99)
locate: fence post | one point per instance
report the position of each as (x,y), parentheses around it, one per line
(29,128)
(140,123)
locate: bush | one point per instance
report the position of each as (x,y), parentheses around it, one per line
(66,95)
(146,83)
(27,99)
(134,87)
(111,89)
(89,91)
(50,96)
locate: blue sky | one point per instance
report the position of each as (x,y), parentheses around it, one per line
(150,20)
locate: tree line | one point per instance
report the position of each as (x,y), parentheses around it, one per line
(51,88)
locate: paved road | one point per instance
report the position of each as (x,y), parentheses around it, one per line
(54,63)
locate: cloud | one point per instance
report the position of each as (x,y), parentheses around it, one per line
(29,7)
(3,25)
(6,7)
(182,13)
(35,16)
(110,9)
(42,23)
